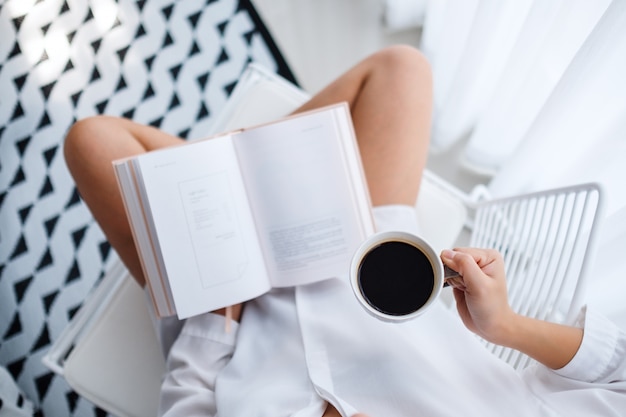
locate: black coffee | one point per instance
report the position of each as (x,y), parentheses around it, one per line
(396,278)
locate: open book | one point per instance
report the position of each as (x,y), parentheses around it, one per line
(223,220)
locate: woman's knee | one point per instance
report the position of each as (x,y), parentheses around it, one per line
(78,134)
(81,143)
(403,58)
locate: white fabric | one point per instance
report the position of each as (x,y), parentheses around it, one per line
(553,37)
(297,348)
(605,292)
(496,63)
(579,133)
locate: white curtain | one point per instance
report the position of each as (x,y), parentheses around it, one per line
(535,93)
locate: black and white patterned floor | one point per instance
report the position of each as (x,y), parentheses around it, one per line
(167,63)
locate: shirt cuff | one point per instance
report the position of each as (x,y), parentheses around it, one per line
(594,357)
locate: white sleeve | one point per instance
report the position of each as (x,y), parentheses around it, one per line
(601,357)
(197,356)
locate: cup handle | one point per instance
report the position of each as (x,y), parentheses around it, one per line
(449,273)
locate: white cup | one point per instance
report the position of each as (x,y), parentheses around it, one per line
(396,276)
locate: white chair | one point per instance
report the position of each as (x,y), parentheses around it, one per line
(110,354)
(547,240)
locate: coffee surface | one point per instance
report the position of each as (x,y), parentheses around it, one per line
(396,278)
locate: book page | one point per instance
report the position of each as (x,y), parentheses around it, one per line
(203,225)
(302,190)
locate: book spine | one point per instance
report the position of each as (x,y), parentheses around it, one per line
(135,210)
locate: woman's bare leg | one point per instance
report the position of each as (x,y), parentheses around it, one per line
(390,99)
(90,148)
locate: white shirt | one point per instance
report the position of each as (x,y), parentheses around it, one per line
(298,348)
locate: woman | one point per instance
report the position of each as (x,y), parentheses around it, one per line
(311,350)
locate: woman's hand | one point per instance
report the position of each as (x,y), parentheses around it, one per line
(482,302)
(481,295)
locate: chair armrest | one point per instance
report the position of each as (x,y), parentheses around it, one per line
(109,353)
(125,376)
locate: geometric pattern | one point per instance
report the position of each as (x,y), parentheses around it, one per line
(167,63)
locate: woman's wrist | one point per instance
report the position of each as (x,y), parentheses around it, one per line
(507,330)
(551,344)
(515,331)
